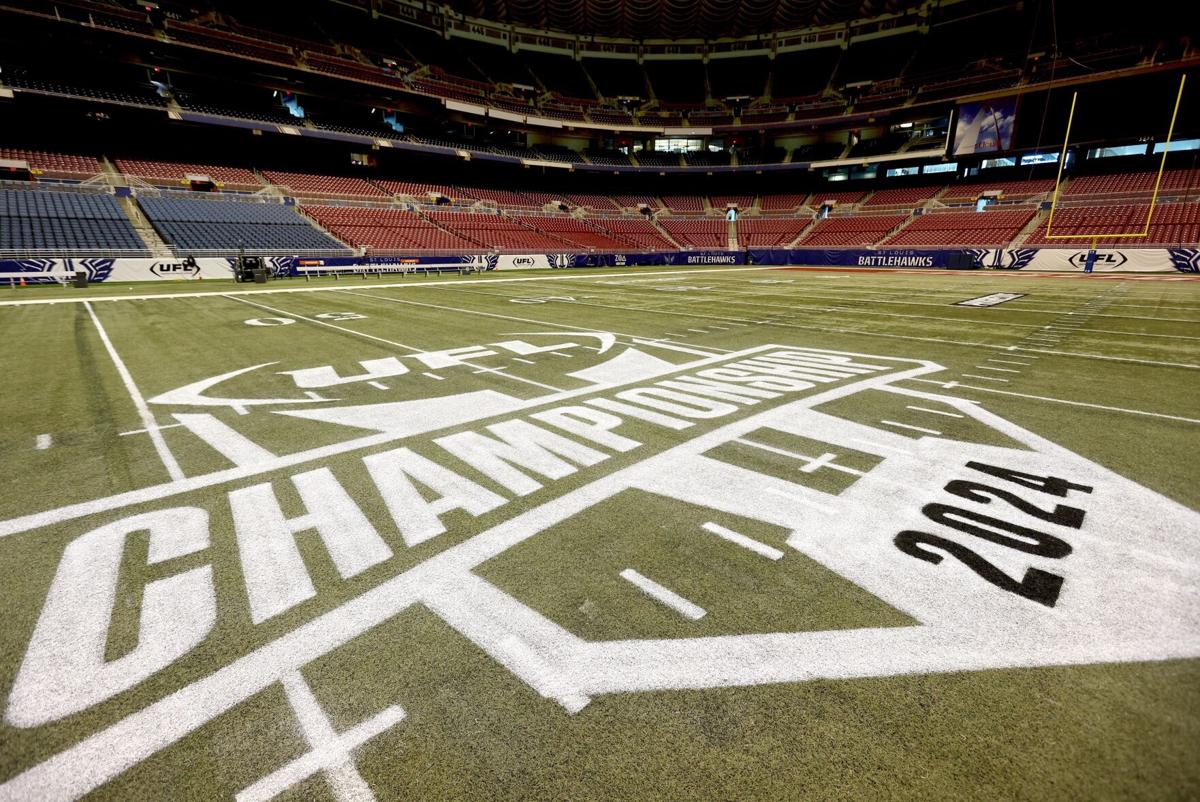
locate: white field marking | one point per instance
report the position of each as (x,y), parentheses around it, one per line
(478,313)
(699,331)
(673,334)
(985,378)
(434,376)
(398,345)
(1007,361)
(934,411)
(331,753)
(998,370)
(811,464)
(664,596)
(227,442)
(395,285)
(1069,402)
(148,421)
(143,431)
(874,446)
(560,353)
(728,296)
(595,348)
(756,546)
(315,396)
(960,343)
(378,385)
(326,324)
(43,442)
(801,500)
(922,429)
(166,490)
(526,361)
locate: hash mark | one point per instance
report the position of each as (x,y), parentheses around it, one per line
(935,412)
(664,596)
(756,546)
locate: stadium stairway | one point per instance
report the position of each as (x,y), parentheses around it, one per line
(154,243)
(731,235)
(803,233)
(312,221)
(665,234)
(1036,222)
(908,221)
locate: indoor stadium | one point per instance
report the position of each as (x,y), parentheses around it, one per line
(599,400)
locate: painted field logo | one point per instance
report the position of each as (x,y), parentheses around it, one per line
(986,545)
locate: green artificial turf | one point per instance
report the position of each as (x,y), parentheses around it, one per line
(1106,368)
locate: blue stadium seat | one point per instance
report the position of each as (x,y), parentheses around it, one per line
(195,224)
(51,220)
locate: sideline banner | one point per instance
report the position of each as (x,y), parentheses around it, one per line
(1130,260)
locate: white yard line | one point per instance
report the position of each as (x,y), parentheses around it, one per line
(664,596)
(1000,370)
(756,546)
(986,378)
(1067,401)
(160,444)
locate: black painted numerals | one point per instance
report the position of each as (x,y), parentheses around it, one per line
(1036,585)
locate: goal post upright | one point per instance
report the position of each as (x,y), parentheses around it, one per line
(1094,236)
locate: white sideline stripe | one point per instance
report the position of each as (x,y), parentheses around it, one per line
(434,376)
(226,441)
(934,411)
(756,546)
(986,378)
(394,285)
(43,442)
(160,445)
(921,429)
(1069,402)
(1000,370)
(664,596)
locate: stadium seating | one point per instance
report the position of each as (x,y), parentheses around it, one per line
(904,196)
(309,185)
(574,232)
(633,201)
(600,203)
(1013,190)
(684,204)
(1134,183)
(156,172)
(853,230)
(637,231)
(743,202)
(194,224)
(496,231)
(844,197)
(54,164)
(995,227)
(769,232)
(692,233)
(1171,224)
(417,190)
(782,203)
(37,219)
(386,229)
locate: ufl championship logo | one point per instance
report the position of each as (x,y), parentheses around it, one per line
(990,546)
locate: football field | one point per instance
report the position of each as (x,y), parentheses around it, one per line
(658,534)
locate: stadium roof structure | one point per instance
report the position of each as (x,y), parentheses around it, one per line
(675,19)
